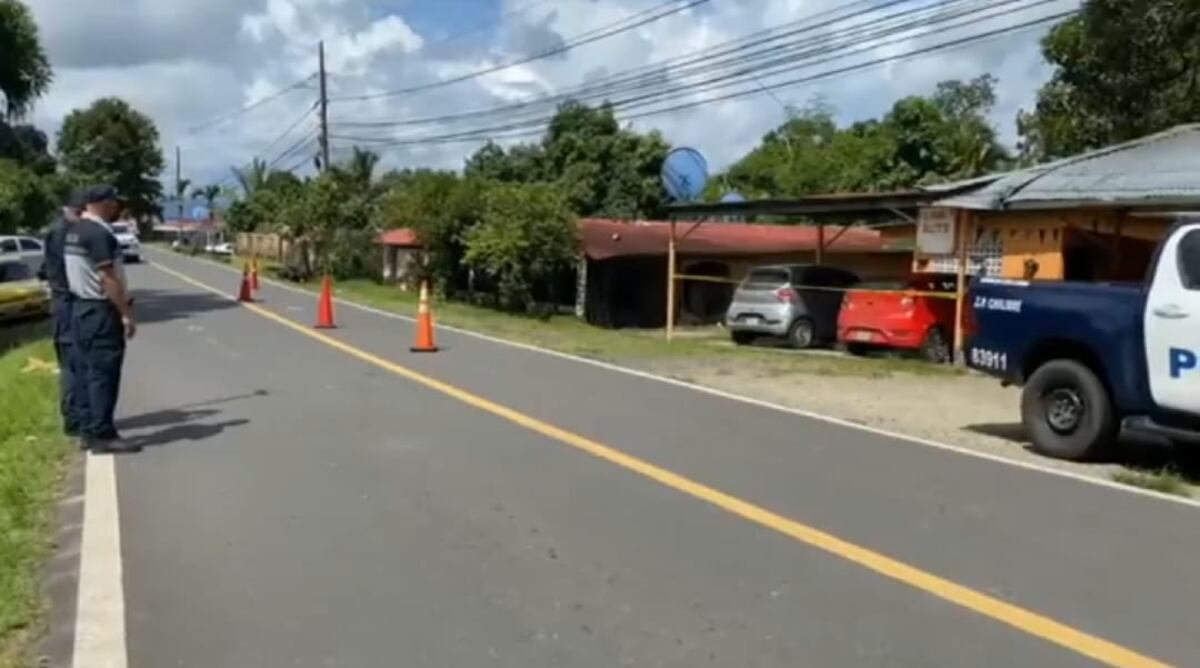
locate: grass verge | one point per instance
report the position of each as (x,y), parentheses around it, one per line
(1165,480)
(32,459)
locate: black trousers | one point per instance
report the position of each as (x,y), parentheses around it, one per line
(99,348)
(73,403)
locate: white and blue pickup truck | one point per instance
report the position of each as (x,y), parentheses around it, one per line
(1096,358)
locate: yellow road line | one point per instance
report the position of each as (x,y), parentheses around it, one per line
(1032,623)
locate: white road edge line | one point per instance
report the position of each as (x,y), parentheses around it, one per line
(100,606)
(1029,466)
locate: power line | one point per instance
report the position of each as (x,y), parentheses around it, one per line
(247,108)
(638,74)
(515,132)
(307,112)
(603,32)
(635,79)
(780,66)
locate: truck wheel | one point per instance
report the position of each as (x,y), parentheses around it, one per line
(1067,412)
(935,348)
(801,334)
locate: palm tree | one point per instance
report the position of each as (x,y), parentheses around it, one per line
(209,193)
(25,73)
(251,177)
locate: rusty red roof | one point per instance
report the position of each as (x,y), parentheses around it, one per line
(401,237)
(603,238)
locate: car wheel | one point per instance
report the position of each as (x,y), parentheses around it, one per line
(801,334)
(935,348)
(742,338)
(1067,412)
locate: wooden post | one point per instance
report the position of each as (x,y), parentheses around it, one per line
(960,297)
(820,243)
(671,283)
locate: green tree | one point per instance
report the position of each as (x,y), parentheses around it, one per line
(25,72)
(252,177)
(441,208)
(1123,69)
(114,143)
(602,169)
(27,200)
(526,237)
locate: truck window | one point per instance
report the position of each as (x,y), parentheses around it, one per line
(1189,260)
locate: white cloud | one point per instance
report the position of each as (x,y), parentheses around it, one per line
(184,62)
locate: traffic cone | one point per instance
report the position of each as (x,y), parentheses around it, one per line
(424,342)
(254,273)
(325,305)
(244,292)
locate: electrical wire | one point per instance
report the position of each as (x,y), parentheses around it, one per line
(595,35)
(247,108)
(493,133)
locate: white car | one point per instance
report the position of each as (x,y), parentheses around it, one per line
(26,250)
(222,248)
(126,234)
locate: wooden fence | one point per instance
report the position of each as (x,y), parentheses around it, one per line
(266,246)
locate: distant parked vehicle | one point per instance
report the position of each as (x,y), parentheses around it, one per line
(126,234)
(21,294)
(773,301)
(222,248)
(895,317)
(26,250)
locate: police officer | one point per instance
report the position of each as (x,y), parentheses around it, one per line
(72,404)
(101,315)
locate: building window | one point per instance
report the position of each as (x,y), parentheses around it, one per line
(1189,260)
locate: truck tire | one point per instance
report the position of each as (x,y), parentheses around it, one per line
(1067,412)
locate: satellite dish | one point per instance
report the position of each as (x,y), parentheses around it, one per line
(732,197)
(200,213)
(684,174)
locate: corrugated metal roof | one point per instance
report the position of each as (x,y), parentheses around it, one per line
(1158,170)
(603,239)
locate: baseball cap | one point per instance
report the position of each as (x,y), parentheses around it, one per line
(100,193)
(76,199)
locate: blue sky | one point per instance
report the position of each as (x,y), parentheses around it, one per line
(186,62)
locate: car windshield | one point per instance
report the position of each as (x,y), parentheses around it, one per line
(766,278)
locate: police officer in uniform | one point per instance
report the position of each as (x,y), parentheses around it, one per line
(101,315)
(72,404)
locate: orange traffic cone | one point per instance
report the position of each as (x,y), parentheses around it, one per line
(244,292)
(325,305)
(254,273)
(424,342)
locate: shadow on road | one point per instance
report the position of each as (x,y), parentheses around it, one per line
(167,305)
(1132,450)
(184,432)
(182,424)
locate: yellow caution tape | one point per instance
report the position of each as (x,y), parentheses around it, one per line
(818,288)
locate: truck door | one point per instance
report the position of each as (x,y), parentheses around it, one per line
(1172,323)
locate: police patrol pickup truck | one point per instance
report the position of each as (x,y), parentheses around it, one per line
(1094,358)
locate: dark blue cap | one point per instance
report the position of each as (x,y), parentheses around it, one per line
(77,199)
(100,193)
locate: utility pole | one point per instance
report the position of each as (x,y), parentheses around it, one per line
(324,109)
(178,177)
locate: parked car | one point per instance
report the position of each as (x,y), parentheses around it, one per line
(773,301)
(220,248)
(26,250)
(21,294)
(1095,357)
(126,234)
(894,317)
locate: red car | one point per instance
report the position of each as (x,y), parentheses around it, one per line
(892,318)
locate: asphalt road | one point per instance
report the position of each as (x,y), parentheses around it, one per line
(342,502)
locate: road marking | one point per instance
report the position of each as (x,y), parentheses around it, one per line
(998,459)
(100,606)
(1032,623)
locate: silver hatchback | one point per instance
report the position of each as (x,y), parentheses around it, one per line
(798,303)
